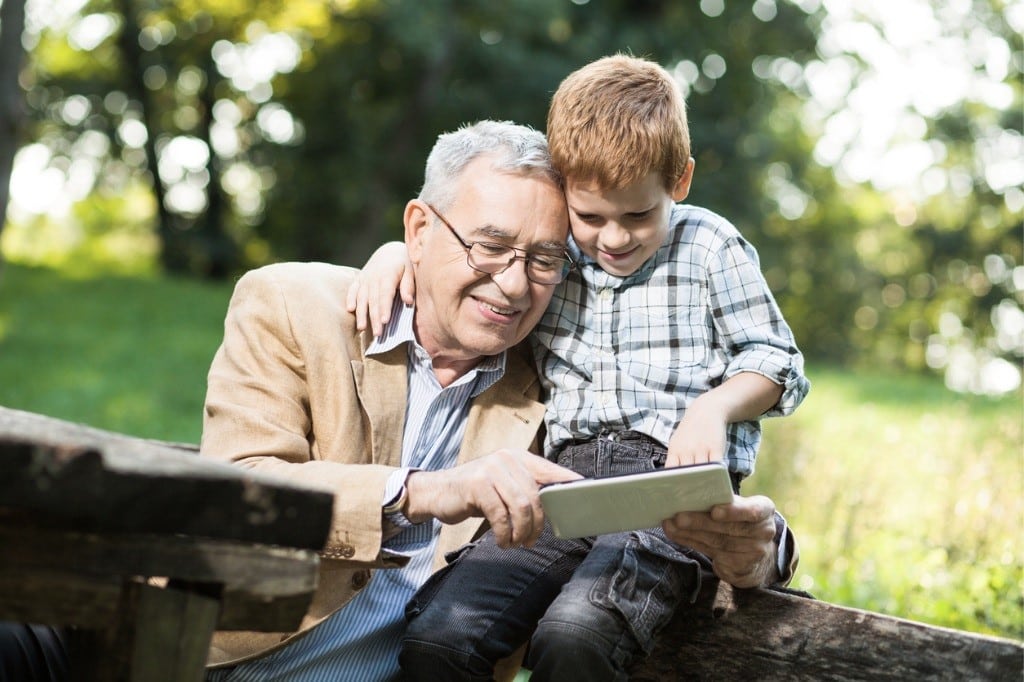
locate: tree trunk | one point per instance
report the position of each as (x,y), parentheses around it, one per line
(173,241)
(12,112)
(219,253)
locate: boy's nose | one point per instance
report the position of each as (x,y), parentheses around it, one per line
(614,236)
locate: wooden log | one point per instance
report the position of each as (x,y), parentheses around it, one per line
(769,635)
(144,548)
(75,477)
(75,578)
(163,635)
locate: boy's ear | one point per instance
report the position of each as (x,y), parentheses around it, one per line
(417,220)
(682,187)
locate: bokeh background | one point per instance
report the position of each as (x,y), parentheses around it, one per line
(871,150)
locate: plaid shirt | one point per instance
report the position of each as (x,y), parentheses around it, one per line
(632,353)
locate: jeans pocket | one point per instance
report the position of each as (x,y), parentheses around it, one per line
(646,584)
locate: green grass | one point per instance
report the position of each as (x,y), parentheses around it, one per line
(907,499)
(127,354)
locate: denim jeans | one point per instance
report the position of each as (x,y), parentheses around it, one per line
(589,607)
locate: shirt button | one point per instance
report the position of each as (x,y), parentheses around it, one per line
(606,293)
(359,579)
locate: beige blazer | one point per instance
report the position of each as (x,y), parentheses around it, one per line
(292,393)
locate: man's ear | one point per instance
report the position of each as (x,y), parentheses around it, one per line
(417,220)
(681,189)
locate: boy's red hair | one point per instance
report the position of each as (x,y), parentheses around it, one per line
(617,119)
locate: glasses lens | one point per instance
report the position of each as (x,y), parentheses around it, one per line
(547,269)
(495,258)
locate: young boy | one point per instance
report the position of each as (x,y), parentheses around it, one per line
(663,348)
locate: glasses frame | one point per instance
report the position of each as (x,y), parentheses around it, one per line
(527,257)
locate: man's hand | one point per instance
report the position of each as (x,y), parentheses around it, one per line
(501,487)
(738,538)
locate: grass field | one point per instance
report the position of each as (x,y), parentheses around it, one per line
(907,499)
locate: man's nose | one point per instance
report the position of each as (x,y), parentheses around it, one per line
(513,280)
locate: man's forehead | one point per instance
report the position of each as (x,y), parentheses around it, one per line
(509,222)
(536,236)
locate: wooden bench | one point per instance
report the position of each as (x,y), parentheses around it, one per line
(87,515)
(771,635)
(147,548)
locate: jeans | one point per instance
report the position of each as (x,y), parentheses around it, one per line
(589,607)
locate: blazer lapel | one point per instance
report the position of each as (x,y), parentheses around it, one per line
(385,409)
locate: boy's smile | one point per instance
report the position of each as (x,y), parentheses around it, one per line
(622,228)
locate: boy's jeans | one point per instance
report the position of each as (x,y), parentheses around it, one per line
(596,603)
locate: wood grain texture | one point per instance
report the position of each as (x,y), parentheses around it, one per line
(75,578)
(65,475)
(768,635)
(144,548)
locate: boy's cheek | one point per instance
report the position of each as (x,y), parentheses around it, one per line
(585,239)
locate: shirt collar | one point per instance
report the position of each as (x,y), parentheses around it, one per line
(593,272)
(399,330)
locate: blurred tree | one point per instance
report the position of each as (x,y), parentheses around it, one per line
(939,197)
(374,93)
(298,129)
(140,75)
(12,23)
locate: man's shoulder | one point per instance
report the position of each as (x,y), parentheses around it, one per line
(302,289)
(305,273)
(307,300)
(308,280)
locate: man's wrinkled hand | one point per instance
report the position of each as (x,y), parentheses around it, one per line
(737,537)
(501,487)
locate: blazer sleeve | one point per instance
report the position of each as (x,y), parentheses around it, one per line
(258,410)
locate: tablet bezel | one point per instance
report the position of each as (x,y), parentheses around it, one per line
(610,504)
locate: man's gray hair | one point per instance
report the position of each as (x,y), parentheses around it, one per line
(514,149)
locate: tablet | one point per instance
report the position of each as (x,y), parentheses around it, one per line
(609,504)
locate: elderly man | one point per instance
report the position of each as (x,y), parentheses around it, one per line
(422,433)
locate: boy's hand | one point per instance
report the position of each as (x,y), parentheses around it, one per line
(370,297)
(700,436)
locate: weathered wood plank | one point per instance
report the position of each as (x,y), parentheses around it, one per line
(159,635)
(73,476)
(55,597)
(172,635)
(766,635)
(147,548)
(263,588)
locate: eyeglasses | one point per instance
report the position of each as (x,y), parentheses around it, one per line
(491,258)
